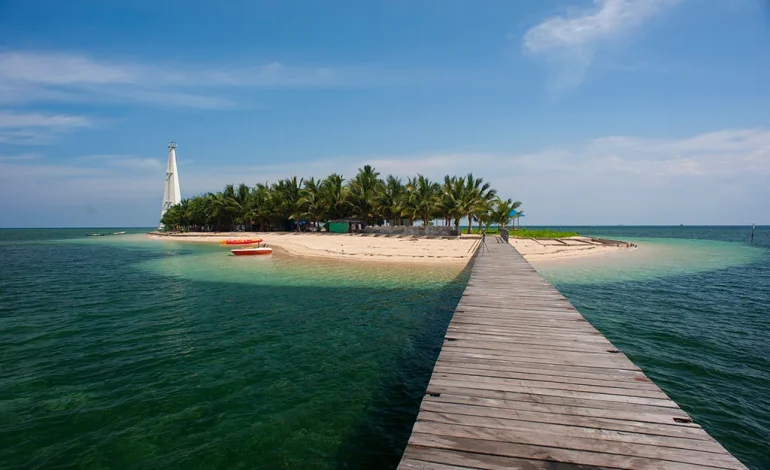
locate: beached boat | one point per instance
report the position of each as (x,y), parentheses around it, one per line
(252,251)
(241,242)
(105,234)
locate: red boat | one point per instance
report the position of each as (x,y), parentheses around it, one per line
(250,241)
(252,251)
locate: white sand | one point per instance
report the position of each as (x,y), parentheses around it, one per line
(561,248)
(350,246)
(360,247)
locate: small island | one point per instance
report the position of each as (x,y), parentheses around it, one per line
(385,219)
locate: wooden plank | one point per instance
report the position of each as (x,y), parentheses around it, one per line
(556,348)
(513,334)
(565,372)
(570,431)
(547,454)
(495,382)
(538,376)
(467,460)
(475,384)
(560,399)
(503,343)
(462,355)
(595,360)
(524,381)
(409,464)
(496,343)
(565,414)
(601,446)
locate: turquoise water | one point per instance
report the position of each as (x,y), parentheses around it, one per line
(691,307)
(119,352)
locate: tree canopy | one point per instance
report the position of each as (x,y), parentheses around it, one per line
(305,204)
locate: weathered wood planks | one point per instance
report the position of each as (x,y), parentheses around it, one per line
(523,381)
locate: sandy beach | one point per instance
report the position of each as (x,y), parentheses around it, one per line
(349,246)
(419,250)
(560,248)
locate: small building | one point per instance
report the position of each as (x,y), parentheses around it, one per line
(346,226)
(516,215)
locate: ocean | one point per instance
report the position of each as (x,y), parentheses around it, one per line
(121,352)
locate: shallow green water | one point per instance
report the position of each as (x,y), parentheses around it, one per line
(691,307)
(119,352)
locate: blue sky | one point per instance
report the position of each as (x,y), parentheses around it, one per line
(588,111)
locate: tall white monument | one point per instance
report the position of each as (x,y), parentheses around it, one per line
(171,193)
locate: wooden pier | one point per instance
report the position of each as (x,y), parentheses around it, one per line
(523,381)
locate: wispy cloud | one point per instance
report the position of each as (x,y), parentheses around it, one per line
(36,128)
(18,158)
(121,161)
(569,43)
(62,69)
(27,77)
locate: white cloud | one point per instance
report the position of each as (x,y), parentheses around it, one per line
(62,69)
(9,119)
(121,161)
(36,128)
(570,42)
(27,77)
(18,158)
(74,69)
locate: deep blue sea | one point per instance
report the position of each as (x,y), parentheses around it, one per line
(122,352)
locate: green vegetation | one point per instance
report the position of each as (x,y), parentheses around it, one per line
(476,231)
(306,204)
(539,233)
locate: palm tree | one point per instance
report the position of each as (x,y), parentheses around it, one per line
(240,205)
(262,205)
(390,199)
(290,193)
(481,195)
(218,206)
(335,195)
(365,196)
(232,207)
(422,199)
(455,200)
(313,203)
(364,189)
(184,213)
(501,213)
(172,218)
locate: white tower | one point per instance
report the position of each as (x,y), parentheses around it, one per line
(171,193)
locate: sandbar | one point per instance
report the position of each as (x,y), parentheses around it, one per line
(367,247)
(560,248)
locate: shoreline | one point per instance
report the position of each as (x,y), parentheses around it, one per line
(367,247)
(354,247)
(567,248)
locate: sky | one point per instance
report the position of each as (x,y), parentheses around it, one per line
(590,112)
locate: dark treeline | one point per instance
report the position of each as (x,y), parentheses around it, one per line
(306,204)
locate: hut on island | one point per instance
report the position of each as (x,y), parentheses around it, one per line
(350,225)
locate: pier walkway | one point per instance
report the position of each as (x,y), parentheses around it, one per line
(523,381)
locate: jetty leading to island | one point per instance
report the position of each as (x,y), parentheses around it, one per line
(524,381)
